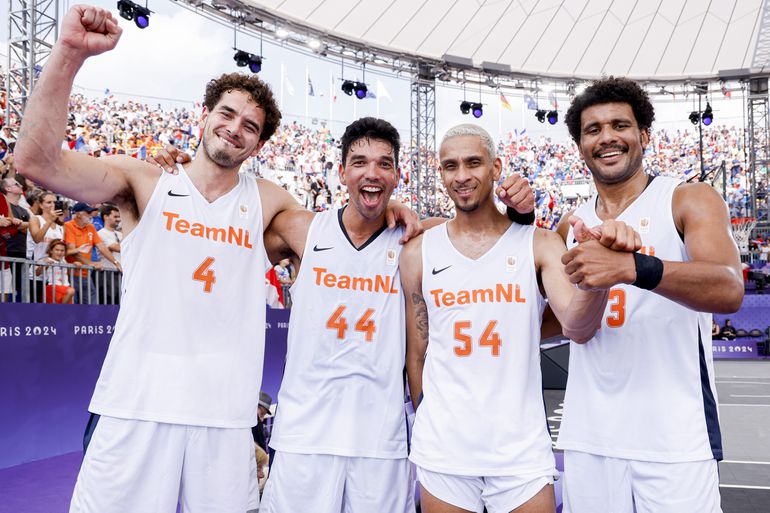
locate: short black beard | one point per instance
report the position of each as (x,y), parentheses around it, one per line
(471,207)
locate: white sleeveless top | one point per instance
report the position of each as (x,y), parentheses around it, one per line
(189,340)
(343,388)
(37,250)
(643,387)
(482,411)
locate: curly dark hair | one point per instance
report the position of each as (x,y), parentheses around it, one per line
(251,84)
(370,128)
(609,90)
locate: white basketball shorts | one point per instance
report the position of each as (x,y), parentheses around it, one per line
(134,465)
(597,483)
(499,494)
(324,483)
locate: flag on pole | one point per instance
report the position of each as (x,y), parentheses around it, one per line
(310,90)
(381,91)
(287,82)
(553,101)
(504,102)
(531,103)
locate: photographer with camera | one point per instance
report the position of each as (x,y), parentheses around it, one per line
(43,228)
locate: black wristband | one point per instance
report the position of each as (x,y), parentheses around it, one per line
(516,217)
(649,271)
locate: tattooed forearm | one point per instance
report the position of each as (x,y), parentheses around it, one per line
(421,315)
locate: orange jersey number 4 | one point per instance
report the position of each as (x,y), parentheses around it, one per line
(489,338)
(365,324)
(205,274)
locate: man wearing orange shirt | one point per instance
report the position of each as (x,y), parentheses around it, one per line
(81,236)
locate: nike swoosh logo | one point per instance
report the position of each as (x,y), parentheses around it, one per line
(177,195)
(435,272)
(316,248)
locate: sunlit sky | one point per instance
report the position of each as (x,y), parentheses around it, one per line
(171,60)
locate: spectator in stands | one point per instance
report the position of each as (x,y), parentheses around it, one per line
(285,272)
(81,236)
(16,244)
(110,216)
(6,161)
(728,331)
(33,200)
(44,227)
(715,330)
(7,230)
(259,432)
(57,283)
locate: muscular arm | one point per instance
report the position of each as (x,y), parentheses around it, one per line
(287,234)
(275,199)
(712,280)
(38,151)
(410,267)
(579,311)
(86,31)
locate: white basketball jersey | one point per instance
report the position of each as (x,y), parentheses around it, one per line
(343,388)
(643,387)
(189,339)
(482,412)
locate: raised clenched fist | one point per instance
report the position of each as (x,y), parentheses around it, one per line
(87,31)
(515,192)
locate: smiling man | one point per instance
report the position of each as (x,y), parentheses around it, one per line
(178,388)
(640,430)
(340,429)
(476,289)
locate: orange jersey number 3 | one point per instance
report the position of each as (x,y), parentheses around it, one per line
(617,304)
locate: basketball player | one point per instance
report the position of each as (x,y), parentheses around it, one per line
(640,429)
(475,290)
(177,392)
(340,429)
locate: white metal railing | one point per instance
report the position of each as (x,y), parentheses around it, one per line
(28,281)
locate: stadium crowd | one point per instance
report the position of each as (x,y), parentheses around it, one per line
(303,160)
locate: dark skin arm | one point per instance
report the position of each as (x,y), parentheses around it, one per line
(710,282)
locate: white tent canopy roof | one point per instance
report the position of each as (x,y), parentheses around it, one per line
(641,39)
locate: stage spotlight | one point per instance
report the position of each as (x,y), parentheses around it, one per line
(465,107)
(708,115)
(360,89)
(347,87)
(694,117)
(131,11)
(477,110)
(540,115)
(255,65)
(242,59)
(126,9)
(141,16)
(553,117)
